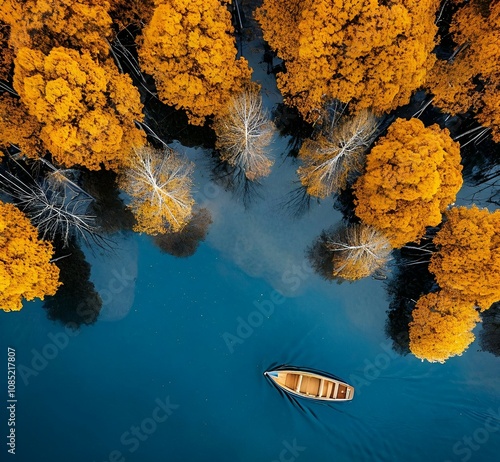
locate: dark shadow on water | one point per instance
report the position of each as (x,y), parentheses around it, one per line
(185,242)
(289,122)
(76,302)
(489,336)
(111,214)
(233,179)
(410,281)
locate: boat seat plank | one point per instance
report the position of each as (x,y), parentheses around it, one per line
(329,389)
(321,386)
(335,389)
(301,377)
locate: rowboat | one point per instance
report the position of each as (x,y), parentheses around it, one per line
(310,385)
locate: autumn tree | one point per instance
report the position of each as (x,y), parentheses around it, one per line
(244,131)
(44,24)
(6,52)
(159,183)
(441,327)
(371,53)
(469,79)
(412,174)
(358,251)
(467,262)
(18,127)
(336,153)
(56,206)
(87,108)
(189,49)
(25,268)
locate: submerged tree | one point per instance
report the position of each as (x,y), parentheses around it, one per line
(441,327)
(412,175)
(336,153)
(26,271)
(56,206)
(467,262)
(372,54)
(159,183)
(189,49)
(351,252)
(244,131)
(358,251)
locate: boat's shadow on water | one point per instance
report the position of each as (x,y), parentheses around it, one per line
(307,405)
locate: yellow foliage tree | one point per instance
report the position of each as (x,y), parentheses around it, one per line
(371,53)
(159,183)
(45,24)
(336,153)
(412,174)
(189,49)
(441,327)
(467,262)
(6,52)
(358,251)
(454,83)
(25,268)
(19,128)
(87,109)
(244,131)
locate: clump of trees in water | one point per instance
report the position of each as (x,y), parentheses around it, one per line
(94,93)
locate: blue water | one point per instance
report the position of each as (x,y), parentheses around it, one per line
(166,358)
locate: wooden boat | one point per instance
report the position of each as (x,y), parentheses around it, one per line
(309,385)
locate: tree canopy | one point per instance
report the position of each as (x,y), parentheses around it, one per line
(373,54)
(25,268)
(467,262)
(87,109)
(159,183)
(441,327)
(412,174)
(189,49)
(470,79)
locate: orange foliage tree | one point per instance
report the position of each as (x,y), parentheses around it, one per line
(467,262)
(45,24)
(372,53)
(19,128)
(189,49)
(412,174)
(441,327)
(87,109)
(25,268)
(6,52)
(159,183)
(336,153)
(454,83)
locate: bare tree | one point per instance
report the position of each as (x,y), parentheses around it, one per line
(56,205)
(243,134)
(336,152)
(358,251)
(159,183)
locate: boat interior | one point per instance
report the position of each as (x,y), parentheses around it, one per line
(315,387)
